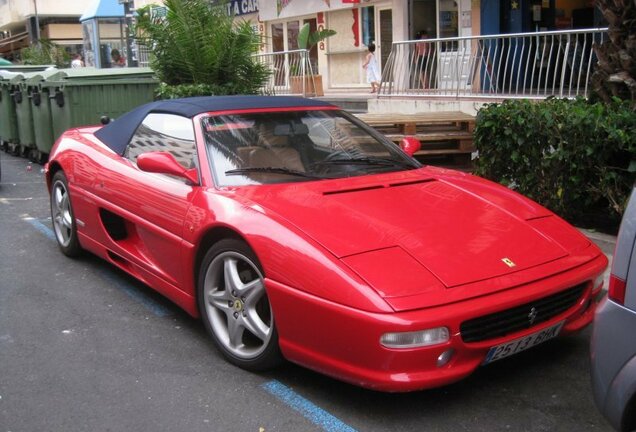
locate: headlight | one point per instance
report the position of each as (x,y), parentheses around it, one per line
(415,339)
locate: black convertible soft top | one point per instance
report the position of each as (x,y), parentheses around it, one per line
(118,133)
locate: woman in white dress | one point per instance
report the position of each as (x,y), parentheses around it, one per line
(373,71)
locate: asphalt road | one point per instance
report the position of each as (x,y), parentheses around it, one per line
(83,347)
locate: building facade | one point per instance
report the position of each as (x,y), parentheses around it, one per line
(338,59)
(359,22)
(22,21)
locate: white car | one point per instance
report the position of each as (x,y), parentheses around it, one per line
(613,346)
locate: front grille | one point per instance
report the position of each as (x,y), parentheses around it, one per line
(519,318)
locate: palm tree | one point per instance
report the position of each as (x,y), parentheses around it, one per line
(197,50)
(615,74)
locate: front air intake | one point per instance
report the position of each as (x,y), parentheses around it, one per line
(520,317)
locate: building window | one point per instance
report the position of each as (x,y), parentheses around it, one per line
(285,36)
(293,27)
(448,17)
(278,43)
(367,18)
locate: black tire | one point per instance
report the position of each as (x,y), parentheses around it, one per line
(63,219)
(235,308)
(628,422)
(33,155)
(23,151)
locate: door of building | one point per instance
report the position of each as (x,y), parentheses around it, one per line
(385,30)
(284,38)
(454,20)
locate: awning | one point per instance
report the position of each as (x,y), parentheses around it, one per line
(103,9)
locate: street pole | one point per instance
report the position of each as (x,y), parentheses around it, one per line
(36,32)
(128,20)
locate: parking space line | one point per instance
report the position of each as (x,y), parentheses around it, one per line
(116,280)
(309,410)
(38,225)
(132,292)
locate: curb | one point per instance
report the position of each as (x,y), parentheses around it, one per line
(606,242)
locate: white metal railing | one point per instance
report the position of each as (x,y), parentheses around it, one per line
(292,73)
(520,65)
(143,55)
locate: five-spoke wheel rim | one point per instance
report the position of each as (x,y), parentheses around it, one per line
(237,306)
(61,213)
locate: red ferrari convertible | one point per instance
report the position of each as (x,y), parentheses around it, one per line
(296,231)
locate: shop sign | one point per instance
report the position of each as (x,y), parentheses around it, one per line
(158,13)
(277,9)
(242,7)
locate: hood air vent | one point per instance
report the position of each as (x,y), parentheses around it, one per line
(368,188)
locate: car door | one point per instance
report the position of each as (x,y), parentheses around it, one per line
(148,209)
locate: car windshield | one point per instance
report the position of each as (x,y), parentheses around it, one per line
(293,146)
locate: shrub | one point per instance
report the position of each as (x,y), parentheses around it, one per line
(197,50)
(45,53)
(572,156)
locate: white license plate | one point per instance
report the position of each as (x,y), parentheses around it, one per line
(510,348)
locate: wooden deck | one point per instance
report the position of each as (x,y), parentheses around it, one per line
(446,137)
(410,120)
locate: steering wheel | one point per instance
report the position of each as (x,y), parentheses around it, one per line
(325,166)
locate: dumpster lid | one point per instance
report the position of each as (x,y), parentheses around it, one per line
(26,68)
(89,73)
(118,133)
(7,75)
(16,78)
(31,78)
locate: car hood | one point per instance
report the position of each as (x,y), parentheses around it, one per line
(442,222)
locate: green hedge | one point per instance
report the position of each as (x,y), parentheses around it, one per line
(574,157)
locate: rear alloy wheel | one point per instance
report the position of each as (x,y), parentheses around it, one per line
(235,308)
(62,215)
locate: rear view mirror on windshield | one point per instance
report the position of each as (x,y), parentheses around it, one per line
(291,129)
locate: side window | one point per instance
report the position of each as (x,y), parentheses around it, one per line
(164,132)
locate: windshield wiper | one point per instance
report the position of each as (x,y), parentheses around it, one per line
(273,170)
(365,161)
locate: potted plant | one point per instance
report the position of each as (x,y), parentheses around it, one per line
(312,82)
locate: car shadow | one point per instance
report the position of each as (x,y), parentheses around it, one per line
(542,372)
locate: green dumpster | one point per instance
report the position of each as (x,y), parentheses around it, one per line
(24,115)
(41,112)
(8,120)
(80,97)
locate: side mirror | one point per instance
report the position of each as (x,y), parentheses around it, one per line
(410,145)
(164,163)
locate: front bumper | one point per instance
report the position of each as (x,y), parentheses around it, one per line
(343,342)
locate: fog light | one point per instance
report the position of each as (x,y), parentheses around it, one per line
(598,283)
(445,357)
(415,339)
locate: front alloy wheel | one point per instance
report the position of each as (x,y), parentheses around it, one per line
(62,216)
(235,307)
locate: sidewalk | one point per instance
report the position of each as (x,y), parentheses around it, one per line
(607,243)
